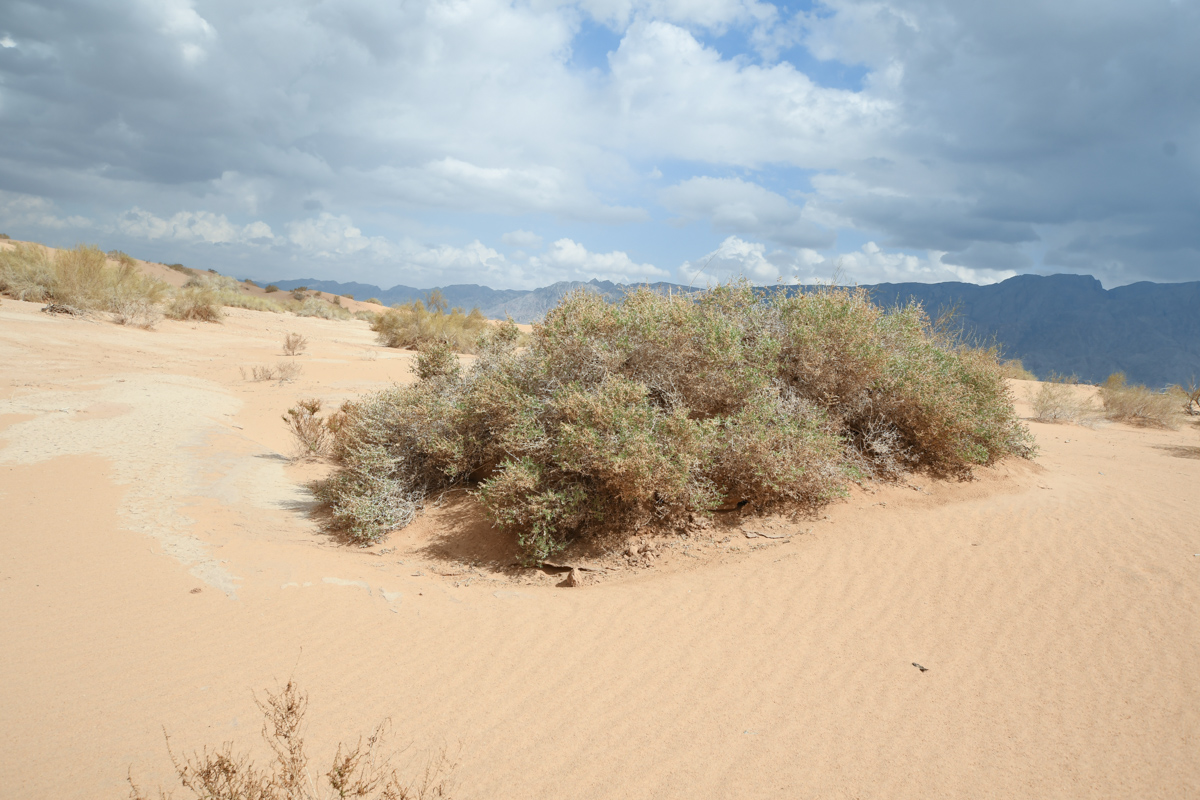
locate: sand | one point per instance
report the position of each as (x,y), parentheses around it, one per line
(1056,605)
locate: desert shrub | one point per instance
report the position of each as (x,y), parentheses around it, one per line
(413,325)
(1013,368)
(366,316)
(310,432)
(364,771)
(1192,395)
(1138,405)
(225,291)
(271,288)
(197,303)
(1058,400)
(312,307)
(348,296)
(294,343)
(182,268)
(374,300)
(249,282)
(80,278)
(656,410)
(5,236)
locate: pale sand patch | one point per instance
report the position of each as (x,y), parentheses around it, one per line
(1056,606)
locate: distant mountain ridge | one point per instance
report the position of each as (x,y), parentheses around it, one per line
(1065,324)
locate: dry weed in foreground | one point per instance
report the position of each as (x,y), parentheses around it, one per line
(1057,400)
(654,412)
(294,344)
(1138,405)
(363,771)
(311,433)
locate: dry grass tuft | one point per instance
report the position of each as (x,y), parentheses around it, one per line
(81,278)
(413,326)
(365,771)
(1013,368)
(284,372)
(653,412)
(1137,405)
(1058,400)
(197,303)
(294,344)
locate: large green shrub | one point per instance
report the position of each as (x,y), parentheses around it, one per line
(659,409)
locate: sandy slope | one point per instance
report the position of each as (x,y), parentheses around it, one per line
(1055,605)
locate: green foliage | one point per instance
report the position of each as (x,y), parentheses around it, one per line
(658,409)
(413,326)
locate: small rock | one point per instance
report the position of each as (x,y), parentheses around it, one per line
(572,578)
(197,590)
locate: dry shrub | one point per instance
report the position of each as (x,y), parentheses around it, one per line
(312,307)
(294,344)
(310,432)
(195,303)
(283,372)
(365,771)
(1058,400)
(1013,368)
(222,290)
(1138,405)
(271,288)
(414,325)
(658,409)
(81,278)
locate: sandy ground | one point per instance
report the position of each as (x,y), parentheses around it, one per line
(1054,603)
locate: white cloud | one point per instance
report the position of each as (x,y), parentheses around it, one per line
(871,265)
(21,211)
(736,206)
(7,42)
(738,258)
(191,226)
(573,261)
(526,239)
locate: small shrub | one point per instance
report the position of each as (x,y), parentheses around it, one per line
(436,360)
(182,268)
(5,236)
(1013,368)
(364,771)
(312,307)
(413,325)
(213,271)
(309,431)
(348,296)
(654,411)
(1138,405)
(1192,393)
(294,344)
(300,289)
(1058,400)
(196,303)
(374,300)
(298,295)
(367,316)
(271,288)
(249,282)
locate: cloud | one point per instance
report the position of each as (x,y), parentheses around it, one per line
(525,239)
(21,211)
(191,226)
(573,261)
(734,205)
(871,265)
(738,258)
(1002,137)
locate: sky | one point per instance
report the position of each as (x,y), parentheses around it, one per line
(516,144)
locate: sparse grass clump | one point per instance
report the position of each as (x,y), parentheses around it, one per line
(1137,405)
(1013,368)
(283,372)
(365,771)
(82,279)
(221,290)
(197,303)
(310,432)
(653,412)
(1058,400)
(312,307)
(413,325)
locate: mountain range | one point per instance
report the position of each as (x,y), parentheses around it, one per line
(1056,324)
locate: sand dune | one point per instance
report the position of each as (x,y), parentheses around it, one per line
(1056,605)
